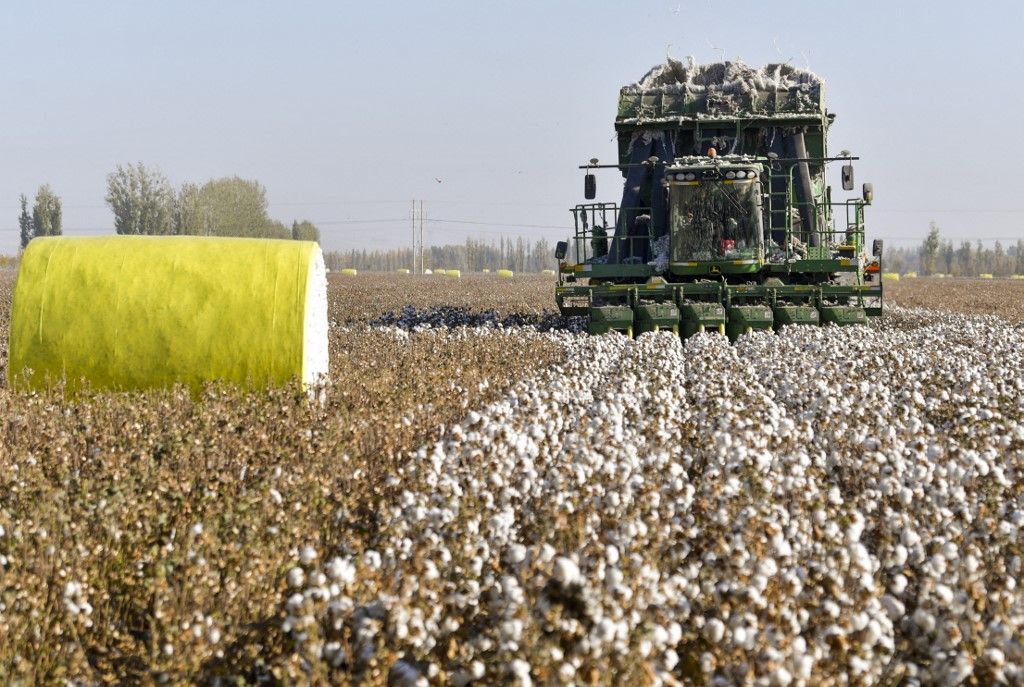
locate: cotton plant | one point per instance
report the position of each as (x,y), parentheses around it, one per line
(817,506)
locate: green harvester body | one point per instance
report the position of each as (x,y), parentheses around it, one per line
(726,222)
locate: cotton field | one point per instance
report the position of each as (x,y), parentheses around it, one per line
(499,499)
(813,507)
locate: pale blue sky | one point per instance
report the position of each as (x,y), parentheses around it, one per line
(347,110)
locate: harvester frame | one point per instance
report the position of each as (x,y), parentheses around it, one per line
(796,266)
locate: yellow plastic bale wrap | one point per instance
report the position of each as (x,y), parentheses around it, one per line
(134,312)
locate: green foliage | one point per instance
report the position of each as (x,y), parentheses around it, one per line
(141,200)
(46,214)
(305,231)
(930,249)
(25,225)
(273,229)
(189,217)
(232,206)
(229,206)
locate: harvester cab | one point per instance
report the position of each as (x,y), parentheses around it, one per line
(726,221)
(715,224)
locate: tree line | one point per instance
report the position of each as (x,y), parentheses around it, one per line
(46,218)
(474,255)
(144,202)
(936,256)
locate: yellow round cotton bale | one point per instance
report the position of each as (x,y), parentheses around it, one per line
(1017,276)
(135,312)
(549,273)
(486,271)
(402,270)
(349,272)
(984,276)
(505,274)
(910,275)
(441,272)
(457,274)
(891,276)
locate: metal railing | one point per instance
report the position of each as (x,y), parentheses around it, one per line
(596,236)
(827,241)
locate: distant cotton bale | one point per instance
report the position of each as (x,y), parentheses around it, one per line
(891,276)
(910,275)
(550,273)
(486,271)
(505,274)
(441,272)
(453,273)
(1017,276)
(402,270)
(427,271)
(984,276)
(349,272)
(139,312)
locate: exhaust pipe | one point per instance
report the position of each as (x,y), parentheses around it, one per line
(804,190)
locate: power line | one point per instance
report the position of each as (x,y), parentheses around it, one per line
(358,221)
(500,224)
(403,220)
(952,211)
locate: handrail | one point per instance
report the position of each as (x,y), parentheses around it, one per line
(590,217)
(824,210)
(587,239)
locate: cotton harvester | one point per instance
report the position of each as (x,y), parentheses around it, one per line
(726,222)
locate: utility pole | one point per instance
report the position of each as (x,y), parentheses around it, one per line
(417,236)
(412,218)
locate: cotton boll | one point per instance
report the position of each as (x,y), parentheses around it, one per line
(307,555)
(714,630)
(296,577)
(341,570)
(566,572)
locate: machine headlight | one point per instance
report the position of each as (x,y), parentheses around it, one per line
(681,177)
(751,174)
(730,175)
(690,176)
